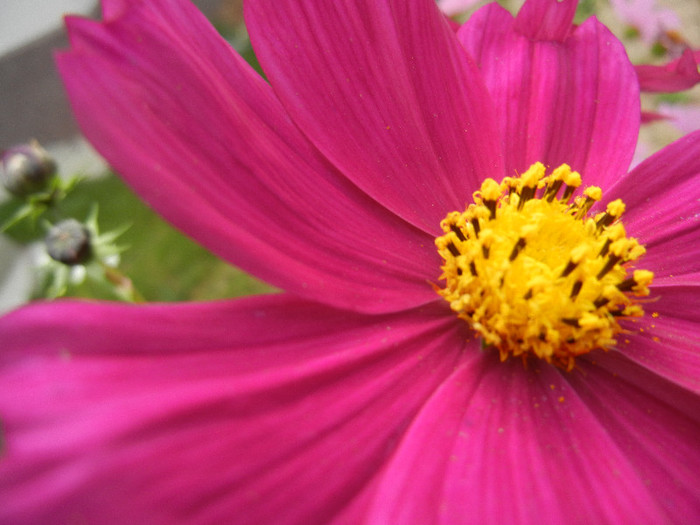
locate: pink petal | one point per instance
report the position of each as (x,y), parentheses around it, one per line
(112,9)
(655,424)
(661,197)
(253,411)
(667,340)
(202,138)
(678,75)
(546,20)
(386,92)
(574,102)
(652,116)
(498,443)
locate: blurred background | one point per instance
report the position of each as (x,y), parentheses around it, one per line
(162,264)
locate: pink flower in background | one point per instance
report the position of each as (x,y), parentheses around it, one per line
(652,21)
(455,7)
(357,395)
(685,117)
(678,75)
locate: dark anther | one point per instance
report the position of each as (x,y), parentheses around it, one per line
(453,249)
(491,205)
(528,295)
(485,251)
(459,271)
(605,248)
(569,268)
(601,301)
(552,191)
(605,220)
(609,265)
(568,192)
(472,268)
(571,322)
(477,228)
(584,208)
(627,284)
(516,249)
(576,289)
(527,194)
(458,232)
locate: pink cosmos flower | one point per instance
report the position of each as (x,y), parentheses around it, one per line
(652,21)
(455,7)
(678,75)
(358,395)
(684,117)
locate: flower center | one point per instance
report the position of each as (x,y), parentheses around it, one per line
(534,274)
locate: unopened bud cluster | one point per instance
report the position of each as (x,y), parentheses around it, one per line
(68,242)
(29,173)
(26,169)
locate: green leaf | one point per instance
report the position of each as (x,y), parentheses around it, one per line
(163,264)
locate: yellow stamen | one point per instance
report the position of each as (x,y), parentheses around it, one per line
(534,274)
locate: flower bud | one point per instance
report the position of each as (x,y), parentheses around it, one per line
(69,242)
(26,169)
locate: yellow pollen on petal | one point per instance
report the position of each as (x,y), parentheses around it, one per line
(534,274)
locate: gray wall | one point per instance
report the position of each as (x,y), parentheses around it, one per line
(32,101)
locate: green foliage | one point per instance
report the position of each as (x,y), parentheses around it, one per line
(585,9)
(156,262)
(162,264)
(674,98)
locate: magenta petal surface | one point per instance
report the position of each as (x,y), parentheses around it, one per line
(386,92)
(655,425)
(499,444)
(661,197)
(546,19)
(114,8)
(667,341)
(574,102)
(202,138)
(206,413)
